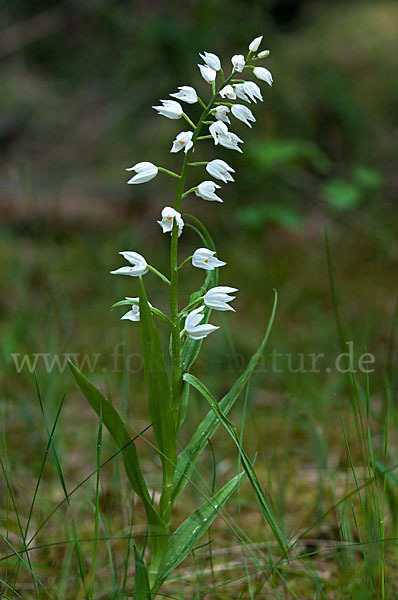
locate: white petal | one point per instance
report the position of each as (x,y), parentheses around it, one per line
(255,44)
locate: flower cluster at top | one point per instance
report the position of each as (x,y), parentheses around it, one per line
(226,102)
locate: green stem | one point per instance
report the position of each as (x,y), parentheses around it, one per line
(201,102)
(198,164)
(159,274)
(189,191)
(168,172)
(176,382)
(184,262)
(191,305)
(188,120)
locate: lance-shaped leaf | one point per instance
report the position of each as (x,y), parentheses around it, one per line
(194,527)
(121,437)
(187,459)
(159,394)
(142,590)
(248,467)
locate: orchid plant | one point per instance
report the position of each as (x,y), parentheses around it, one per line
(168,397)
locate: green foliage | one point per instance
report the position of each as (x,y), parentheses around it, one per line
(142,589)
(247,465)
(163,414)
(185,538)
(187,459)
(294,153)
(121,437)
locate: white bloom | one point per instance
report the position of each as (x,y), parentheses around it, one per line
(263,74)
(186,94)
(217,130)
(228,92)
(207,73)
(192,327)
(168,216)
(238,62)
(134,313)
(170,109)
(243,113)
(263,54)
(231,142)
(211,60)
(240,92)
(252,90)
(218,297)
(220,113)
(183,140)
(255,44)
(220,170)
(140,266)
(207,191)
(203,258)
(145,172)
(222,136)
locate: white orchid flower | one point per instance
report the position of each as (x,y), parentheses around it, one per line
(252,90)
(207,191)
(192,328)
(203,258)
(145,172)
(140,266)
(218,297)
(186,94)
(238,62)
(263,54)
(255,44)
(167,222)
(243,113)
(134,313)
(208,74)
(217,130)
(228,92)
(170,109)
(220,170)
(221,135)
(211,60)
(263,74)
(240,92)
(231,142)
(220,113)
(183,140)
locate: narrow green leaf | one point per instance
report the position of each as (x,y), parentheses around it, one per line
(159,396)
(188,457)
(141,582)
(121,437)
(117,430)
(195,526)
(248,467)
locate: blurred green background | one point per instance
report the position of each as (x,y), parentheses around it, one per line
(78,80)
